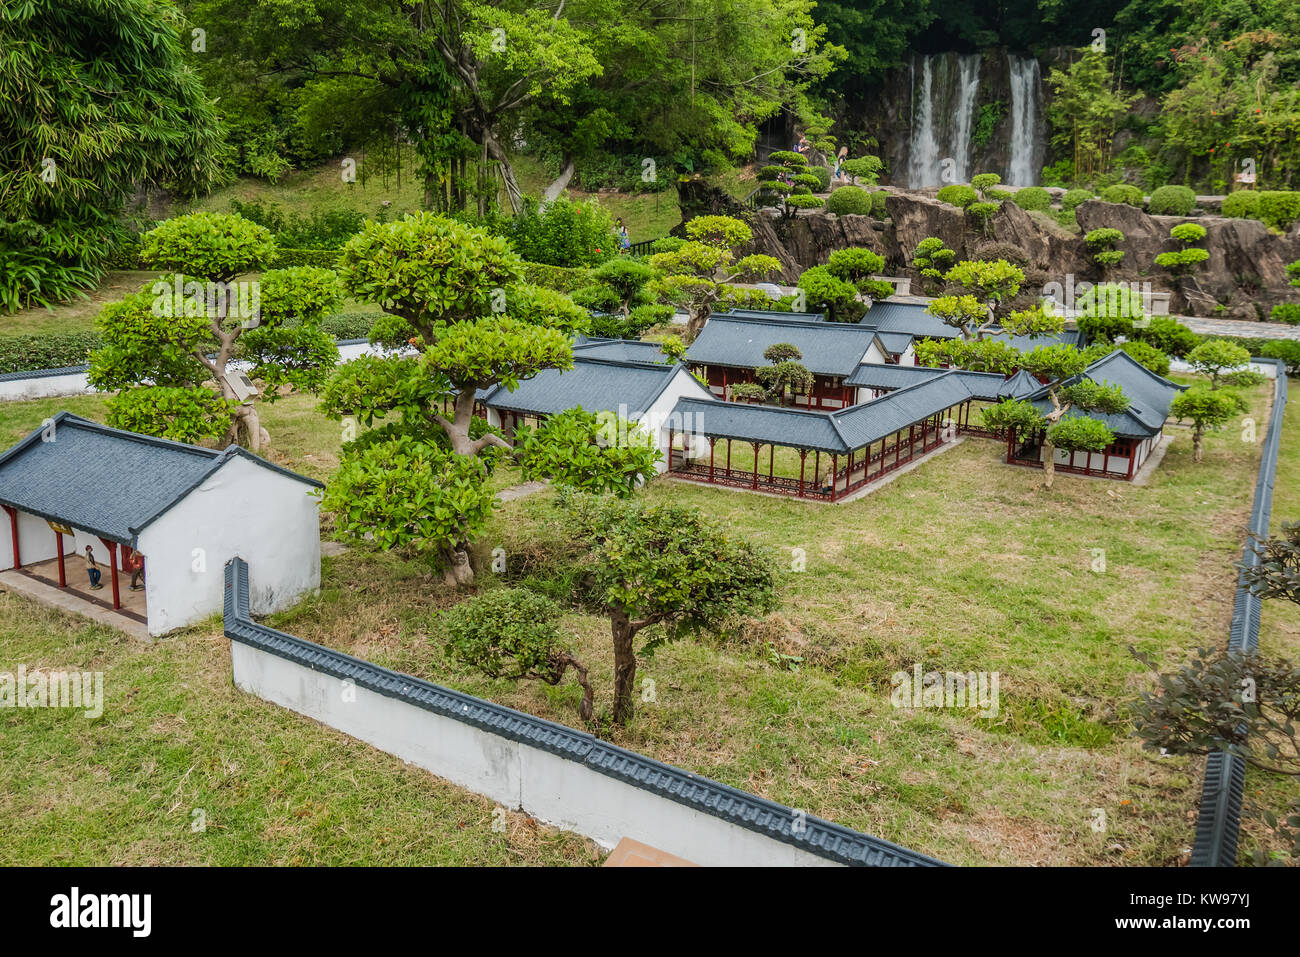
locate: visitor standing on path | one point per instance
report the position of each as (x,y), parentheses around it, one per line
(624,240)
(92,568)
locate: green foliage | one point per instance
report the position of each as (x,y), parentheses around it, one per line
(1013,416)
(956,194)
(1103,242)
(854,264)
(1188,233)
(1216,358)
(563,233)
(1123,193)
(1075,197)
(1109,310)
(983,182)
(211,246)
(1293,270)
(561,278)
(1278,209)
(1172,201)
(1242,204)
(284,258)
(746,392)
(1148,356)
(30,353)
(300,294)
(878,207)
(626,280)
(849,200)
(1207,409)
(823,177)
(300,356)
(964,312)
(96,101)
(1183,261)
(325,229)
(410,496)
(1080,434)
(1168,335)
(757,266)
(804,201)
(825,291)
(1288,312)
(933,259)
(171,412)
(980,213)
(1084,110)
(865,170)
(719,232)
(785,376)
(1288,350)
(142,344)
(1032,197)
(977,355)
(993,280)
(513,633)
(599,453)
(665,567)
(669,244)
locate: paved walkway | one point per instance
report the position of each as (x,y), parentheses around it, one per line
(520,491)
(67,600)
(1239,327)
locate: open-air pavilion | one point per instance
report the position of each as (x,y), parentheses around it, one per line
(831,454)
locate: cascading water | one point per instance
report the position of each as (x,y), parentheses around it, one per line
(943,107)
(1026,140)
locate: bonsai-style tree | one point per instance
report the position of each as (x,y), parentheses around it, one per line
(593,452)
(863,170)
(1206,409)
(1061,367)
(692,268)
(987,284)
(824,290)
(618,286)
(664,570)
(856,266)
(1109,310)
(786,376)
(1102,242)
(749,392)
(1218,359)
(513,633)
(932,259)
(976,355)
(1183,262)
(985,183)
(167,349)
(787,182)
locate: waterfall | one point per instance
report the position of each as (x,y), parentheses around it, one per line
(1026,141)
(943,108)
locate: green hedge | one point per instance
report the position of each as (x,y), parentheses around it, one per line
(1032,197)
(286,258)
(560,278)
(349,325)
(1172,201)
(1123,193)
(30,353)
(1242,204)
(955,194)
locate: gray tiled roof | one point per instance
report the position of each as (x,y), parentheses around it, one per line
(777,315)
(878,375)
(106,481)
(1019,386)
(895,343)
(828,348)
(622,350)
(843,430)
(778,822)
(1069,337)
(1149,395)
(907,317)
(597,385)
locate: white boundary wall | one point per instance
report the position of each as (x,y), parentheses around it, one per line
(559,791)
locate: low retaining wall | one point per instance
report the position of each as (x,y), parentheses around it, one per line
(47,383)
(561,776)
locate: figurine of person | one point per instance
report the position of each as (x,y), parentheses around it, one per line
(92,568)
(137,571)
(624,240)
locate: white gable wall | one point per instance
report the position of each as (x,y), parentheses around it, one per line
(244,509)
(874,354)
(657,418)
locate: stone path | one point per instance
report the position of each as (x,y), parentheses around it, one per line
(519,491)
(1239,327)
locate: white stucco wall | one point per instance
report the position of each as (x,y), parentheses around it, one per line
(874,354)
(658,417)
(245,510)
(35,541)
(556,790)
(44,386)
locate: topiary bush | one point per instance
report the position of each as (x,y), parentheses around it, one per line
(849,200)
(823,176)
(863,169)
(30,353)
(1172,201)
(1075,197)
(878,204)
(981,213)
(1278,209)
(1168,335)
(955,194)
(1032,197)
(983,182)
(1103,241)
(1148,356)
(1288,350)
(1123,193)
(1242,204)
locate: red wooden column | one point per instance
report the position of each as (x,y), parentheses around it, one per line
(712,442)
(835,469)
(898,447)
(670,450)
(13,534)
(755,482)
(803,460)
(112,564)
(63,574)
(1132,454)
(771,463)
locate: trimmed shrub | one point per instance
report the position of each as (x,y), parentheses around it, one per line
(1288,312)
(849,200)
(1074,197)
(290,258)
(1033,197)
(1172,201)
(1168,335)
(864,169)
(563,233)
(878,204)
(349,325)
(823,176)
(30,353)
(1278,208)
(985,181)
(1123,193)
(669,244)
(1148,356)
(955,194)
(559,278)
(1243,204)
(1288,350)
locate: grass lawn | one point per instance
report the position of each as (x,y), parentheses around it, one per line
(963,564)
(77,315)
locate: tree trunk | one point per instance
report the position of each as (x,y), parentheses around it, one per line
(552,192)
(457,428)
(1198,436)
(624,667)
(513,193)
(699,315)
(248,424)
(1049,462)
(585,706)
